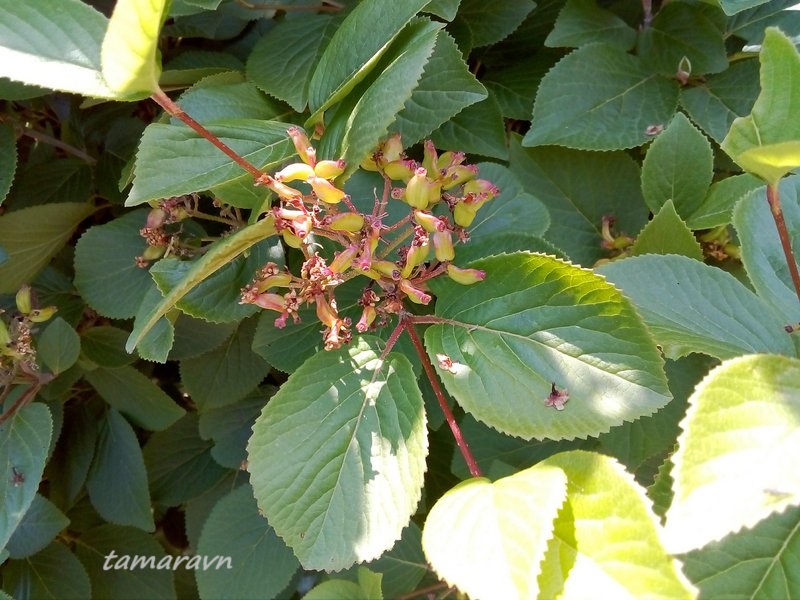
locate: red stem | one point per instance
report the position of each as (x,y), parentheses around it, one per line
(176,111)
(474,470)
(773,197)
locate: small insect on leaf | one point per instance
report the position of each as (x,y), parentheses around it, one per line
(17,477)
(557,399)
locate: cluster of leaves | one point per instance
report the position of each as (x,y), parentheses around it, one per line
(627,374)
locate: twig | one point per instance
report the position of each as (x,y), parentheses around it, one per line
(773,197)
(51,141)
(176,111)
(423,592)
(408,324)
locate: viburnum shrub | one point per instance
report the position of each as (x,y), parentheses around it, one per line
(254,258)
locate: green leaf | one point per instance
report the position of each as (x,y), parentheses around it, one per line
(52,574)
(491,23)
(105,346)
(59,180)
(446,9)
(231,426)
(117,481)
(378,106)
(73,455)
(227,373)
(766,143)
(59,346)
(282,61)
(478,129)
(445,89)
(53,44)
(750,24)
(536,322)
(505,243)
(32,236)
(510,521)
(111,282)
(684,30)
(218,255)
(194,337)
(337,456)
(717,207)
(693,307)
(609,185)
(582,22)
(156,344)
(614,98)
(217,298)
(715,103)
(130,59)
(678,167)
(8,159)
(742,426)
(622,558)
(762,253)
(514,86)
(667,233)
(731,7)
(118,547)
(168,149)
(135,396)
(179,463)
(236,530)
(757,563)
(404,566)
(24,442)
(38,528)
(374,23)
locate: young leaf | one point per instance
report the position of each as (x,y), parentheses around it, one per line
(609,185)
(678,167)
(756,563)
(582,22)
(235,529)
(117,482)
(374,23)
(337,456)
(24,443)
(614,99)
(622,558)
(742,426)
(693,307)
(538,326)
(168,149)
(38,528)
(53,44)
(282,61)
(667,233)
(135,396)
(8,159)
(58,346)
(510,520)
(767,142)
(445,89)
(129,56)
(32,236)
(111,282)
(117,547)
(213,260)
(54,573)
(762,253)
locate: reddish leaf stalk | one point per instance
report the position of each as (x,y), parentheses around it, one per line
(408,325)
(773,197)
(176,111)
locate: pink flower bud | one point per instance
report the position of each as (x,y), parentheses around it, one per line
(416,295)
(271,301)
(465,276)
(450,159)
(325,312)
(386,268)
(156,218)
(325,190)
(294,172)
(329,169)
(392,148)
(430,158)
(415,256)
(428,222)
(367,318)
(301,144)
(459,174)
(278,280)
(481,187)
(464,214)
(343,259)
(400,170)
(283,191)
(421,191)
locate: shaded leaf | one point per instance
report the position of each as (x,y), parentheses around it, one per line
(717,207)
(59,346)
(52,574)
(583,22)
(490,23)
(38,528)
(105,345)
(478,129)
(8,159)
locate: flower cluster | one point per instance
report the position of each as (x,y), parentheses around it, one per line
(443,195)
(17,353)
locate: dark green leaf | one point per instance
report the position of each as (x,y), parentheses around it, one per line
(52,574)
(8,159)
(582,22)
(194,337)
(117,481)
(105,346)
(446,9)
(237,531)
(135,396)
(490,23)
(73,455)
(59,346)
(62,180)
(478,129)
(38,528)
(179,463)
(337,456)
(613,99)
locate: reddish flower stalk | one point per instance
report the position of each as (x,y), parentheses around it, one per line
(773,197)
